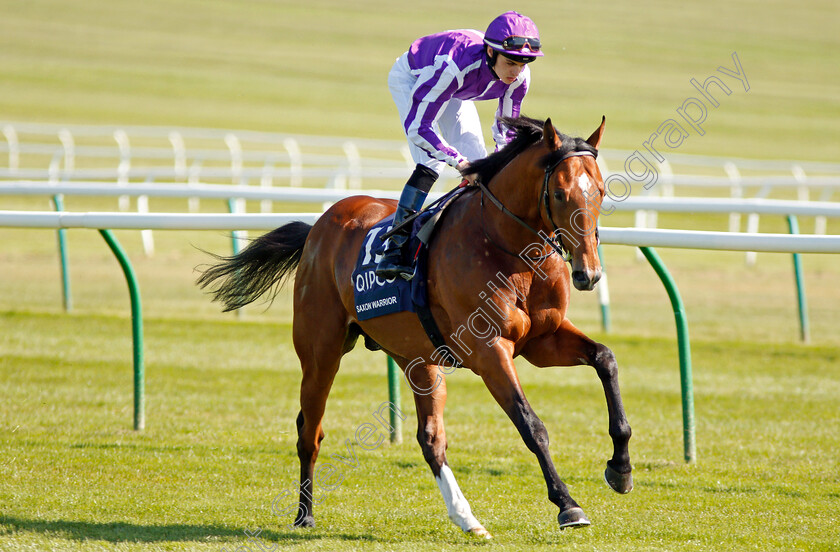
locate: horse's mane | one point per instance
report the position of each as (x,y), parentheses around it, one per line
(528,132)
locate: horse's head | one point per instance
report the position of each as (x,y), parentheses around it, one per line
(571,199)
(569,187)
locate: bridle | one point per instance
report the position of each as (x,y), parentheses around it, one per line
(556,242)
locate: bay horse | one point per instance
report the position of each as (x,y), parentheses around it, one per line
(543,182)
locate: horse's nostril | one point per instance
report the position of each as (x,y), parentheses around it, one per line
(584,279)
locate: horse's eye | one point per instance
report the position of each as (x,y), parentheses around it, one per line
(560,195)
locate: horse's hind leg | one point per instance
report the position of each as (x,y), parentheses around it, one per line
(319,348)
(432,438)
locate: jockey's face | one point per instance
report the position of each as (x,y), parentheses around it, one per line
(506,69)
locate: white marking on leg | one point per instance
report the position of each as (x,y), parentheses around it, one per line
(456,505)
(583,184)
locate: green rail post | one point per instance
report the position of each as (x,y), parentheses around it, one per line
(687,387)
(603,296)
(58,202)
(804,327)
(136,329)
(394,398)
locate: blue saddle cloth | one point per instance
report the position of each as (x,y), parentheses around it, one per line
(377,297)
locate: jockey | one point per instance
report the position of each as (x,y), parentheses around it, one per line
(434,85)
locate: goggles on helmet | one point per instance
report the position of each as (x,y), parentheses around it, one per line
(521,43)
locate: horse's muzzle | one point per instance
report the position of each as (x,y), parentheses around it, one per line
(585,280)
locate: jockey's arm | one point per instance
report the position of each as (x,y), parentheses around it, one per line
(429,100)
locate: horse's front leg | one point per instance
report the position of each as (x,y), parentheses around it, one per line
(568,346)
(429,388)
(499,375)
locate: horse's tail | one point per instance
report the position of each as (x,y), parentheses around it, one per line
(260,268)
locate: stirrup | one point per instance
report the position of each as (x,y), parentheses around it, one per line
(394,271)
(391,265)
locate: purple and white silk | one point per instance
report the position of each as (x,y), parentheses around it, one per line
(434,84)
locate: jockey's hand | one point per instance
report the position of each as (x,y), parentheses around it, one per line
(470,178)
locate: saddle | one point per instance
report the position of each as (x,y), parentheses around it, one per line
(376,297)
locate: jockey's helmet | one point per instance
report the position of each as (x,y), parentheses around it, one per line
(514,36)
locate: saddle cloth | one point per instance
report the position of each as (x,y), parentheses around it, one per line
(377,297)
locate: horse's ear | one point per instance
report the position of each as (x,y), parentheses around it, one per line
(550,136)
(595,139)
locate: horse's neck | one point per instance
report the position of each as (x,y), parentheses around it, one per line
(517,187)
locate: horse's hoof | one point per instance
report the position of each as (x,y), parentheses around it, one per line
(619,482)
(480,532)
(307,521)
(573,517)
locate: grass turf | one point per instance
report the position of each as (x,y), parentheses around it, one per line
(321,67)
(219,443)
(219,447)
(222,398)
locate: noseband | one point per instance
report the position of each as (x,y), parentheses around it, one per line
(555,242)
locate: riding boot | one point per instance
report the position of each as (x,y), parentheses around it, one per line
(393,262)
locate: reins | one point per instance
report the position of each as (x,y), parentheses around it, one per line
(556,242)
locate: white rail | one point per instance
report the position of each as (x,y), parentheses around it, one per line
(205,191)
(319,195)
(724,241)
(149,153)
(725,205)
(780,243)
(330,168)
(148,221)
